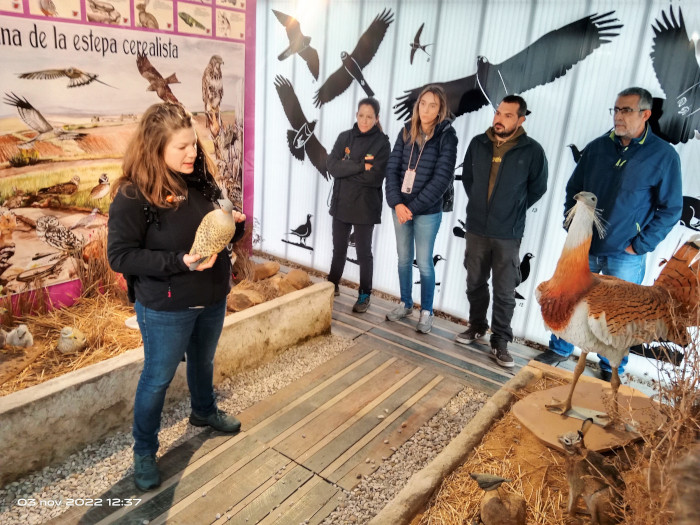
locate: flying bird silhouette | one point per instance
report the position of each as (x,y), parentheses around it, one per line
(298,43)
(416,45)
(35,120)
(76,77)
(543,61)
(355,62)
(303,231)
(676,68)
(156,82)
(301,138)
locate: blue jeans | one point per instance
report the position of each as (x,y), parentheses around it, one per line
(420,231)
(627,267)
(167,337)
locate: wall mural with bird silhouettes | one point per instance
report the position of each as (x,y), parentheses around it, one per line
(569,60)
(76,76)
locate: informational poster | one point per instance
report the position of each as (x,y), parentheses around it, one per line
(76,76)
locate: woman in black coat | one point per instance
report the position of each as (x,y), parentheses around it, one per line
(357,165)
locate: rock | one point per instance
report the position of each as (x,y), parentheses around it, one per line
(499,508)
(298,279)
(281,285)
(265,270)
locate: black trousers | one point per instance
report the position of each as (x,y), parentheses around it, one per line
(363,247)
(485,256)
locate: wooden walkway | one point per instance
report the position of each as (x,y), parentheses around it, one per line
(323,433)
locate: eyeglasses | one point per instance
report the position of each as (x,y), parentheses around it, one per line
(624,111)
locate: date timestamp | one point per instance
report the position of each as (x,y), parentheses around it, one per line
(79,502)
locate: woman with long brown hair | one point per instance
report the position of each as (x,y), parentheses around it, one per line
(419,173)
(166,188)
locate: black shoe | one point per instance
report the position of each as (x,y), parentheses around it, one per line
(550,357)
(219,420)
(362,304)
(502,356)
(472,334)
(605,375)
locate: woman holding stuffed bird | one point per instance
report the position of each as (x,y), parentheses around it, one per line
(357,165)
(165,191)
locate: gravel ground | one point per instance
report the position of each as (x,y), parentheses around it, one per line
(97,467)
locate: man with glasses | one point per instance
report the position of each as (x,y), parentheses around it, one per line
(637,179)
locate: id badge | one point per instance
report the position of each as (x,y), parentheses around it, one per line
(408,179)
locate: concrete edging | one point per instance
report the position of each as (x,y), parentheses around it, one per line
(415,495)
(44,424)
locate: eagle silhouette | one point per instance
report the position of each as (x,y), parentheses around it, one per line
(355,62)
(676,68)
(156,82)
(543,61)
(301,138)
(298,43)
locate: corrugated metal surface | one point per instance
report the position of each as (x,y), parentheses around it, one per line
(570,110)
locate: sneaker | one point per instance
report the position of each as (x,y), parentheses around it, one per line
(472,334)
(425,323)
(399,312)
(550,357)
(362,304)
(219,420)
(502,356)
(146,475)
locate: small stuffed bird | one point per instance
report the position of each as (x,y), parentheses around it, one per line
(498,507)
(3,338)
(488,481)
(71,340)
(20,336)
(214,232)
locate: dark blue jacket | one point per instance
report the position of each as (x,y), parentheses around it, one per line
(521,181)
(434,174)
(357,192)
(640,201)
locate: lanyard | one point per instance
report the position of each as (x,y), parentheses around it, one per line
(419,154)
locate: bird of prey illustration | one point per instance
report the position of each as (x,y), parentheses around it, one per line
(156,82)
(48,8)
(303,231)
(35,120)
(146,19)
(56,235)
(75,76)
(678,73)
(416,45)
(101,189)
(355,62)
(213,92)
(103,12)
(301,138)
(542,62)
(298,43)
(190,20)
(62,188)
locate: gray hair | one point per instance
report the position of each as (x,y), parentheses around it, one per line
(645,100)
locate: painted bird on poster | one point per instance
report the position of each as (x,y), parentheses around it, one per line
(62,188)
(214,233)
(300,138)
(213,92)
(103,12)
(56,235)
(71,340)
(190,20)
(542,62)
(298,43)
(604,314)
(156,82)
(146,19)
(89,221)
(35,120)
(75,76)
(20,336)
(48,8)
(101,189)
(355,62)
(416,45)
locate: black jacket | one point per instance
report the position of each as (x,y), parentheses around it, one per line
(147,245)
(357,193)
(435,171)
(521,181)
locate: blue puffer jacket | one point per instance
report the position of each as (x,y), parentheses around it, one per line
(641,201)
(434,173)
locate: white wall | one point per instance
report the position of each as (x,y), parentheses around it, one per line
(571,109)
